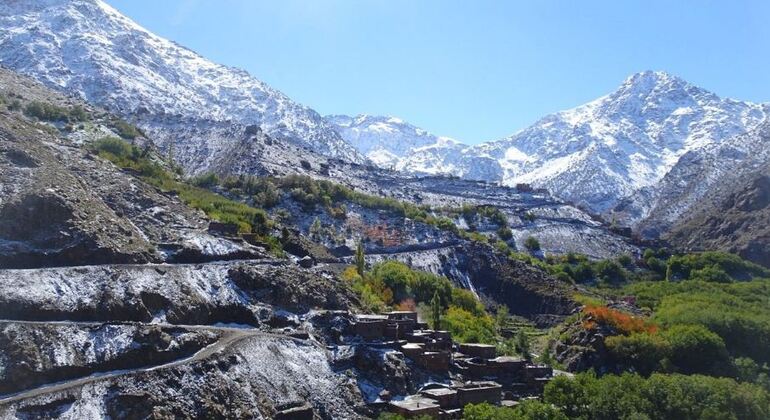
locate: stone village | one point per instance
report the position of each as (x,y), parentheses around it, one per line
(457,373)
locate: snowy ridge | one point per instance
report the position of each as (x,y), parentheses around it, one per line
(595,154)
(89,48)
(392,143)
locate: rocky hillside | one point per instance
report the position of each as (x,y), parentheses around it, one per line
(157,84)
(734,221)
(110,334)
(92,210)
(699,178)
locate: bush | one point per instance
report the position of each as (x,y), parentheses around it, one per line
(621,322)
(418,286)
(465,299)
(126,130)
(681,267)
(611,272)
(737,312)
(49,112)
(247,218)
(526,410)
(638,352)
(532,244)
(583,272)
(206,180)
(505,233)
(695,349)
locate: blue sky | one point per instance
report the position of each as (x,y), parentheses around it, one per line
(473,70)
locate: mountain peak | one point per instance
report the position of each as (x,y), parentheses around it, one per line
(648,77)
(649,85)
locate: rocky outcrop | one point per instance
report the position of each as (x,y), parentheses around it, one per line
(242,292)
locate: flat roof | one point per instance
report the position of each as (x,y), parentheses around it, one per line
(370,316)
(439,391)
(480,385)
(413,346)
(508,359)
(415,403)
(479,345)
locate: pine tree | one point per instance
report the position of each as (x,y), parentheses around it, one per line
(360,261)
(435,308)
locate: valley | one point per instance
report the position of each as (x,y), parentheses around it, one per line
(180,240)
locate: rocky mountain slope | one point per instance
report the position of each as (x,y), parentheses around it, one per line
(699,178)
(91,210)
(202,108)
(593,155)
(734,219)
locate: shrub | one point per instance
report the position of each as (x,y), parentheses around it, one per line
(46,112)
(505,233)
(532,244)
(737,312)
(465,299)
(526,410)
(583,272)
(622,322)
(14,105)
(611,272)
(695,349)
(206,180)
(680,267)
(639,352)
(126,130)
(445,223)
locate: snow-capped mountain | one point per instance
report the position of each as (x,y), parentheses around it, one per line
(89,48)
(701,178)
(392,143)
(595,154)
(613,146)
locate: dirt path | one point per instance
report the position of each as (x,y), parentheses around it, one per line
(229,336)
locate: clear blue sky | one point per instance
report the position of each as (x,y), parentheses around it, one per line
(473,70)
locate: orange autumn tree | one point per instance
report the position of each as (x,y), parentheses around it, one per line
(623,323)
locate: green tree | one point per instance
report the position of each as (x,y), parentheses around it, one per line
(522,344)
(501,316)
(435,309)
(360,259)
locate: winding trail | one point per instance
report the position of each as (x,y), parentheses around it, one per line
(230,335)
